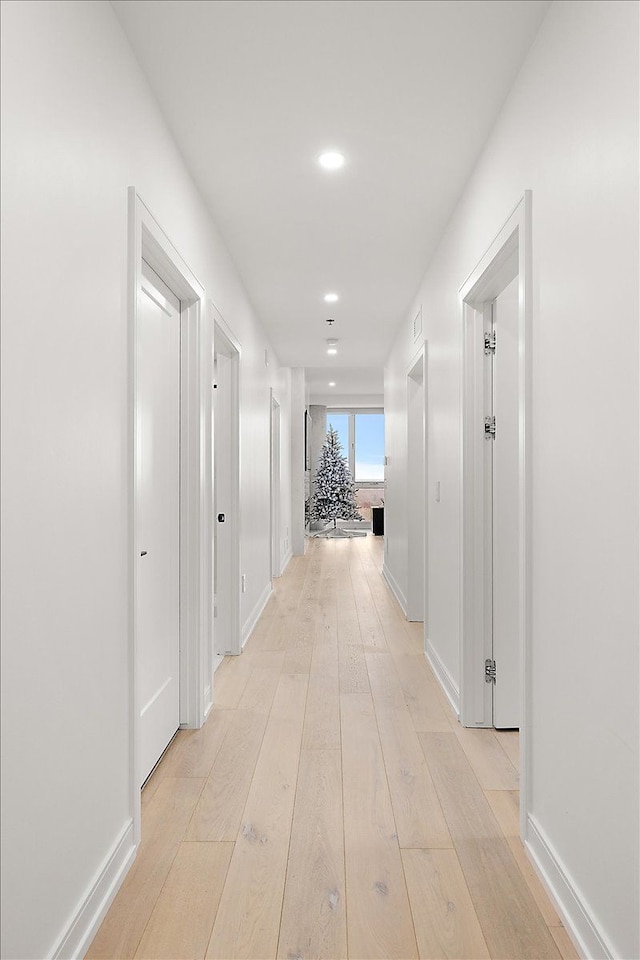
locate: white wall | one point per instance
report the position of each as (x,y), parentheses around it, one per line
(569,132)
(80,126)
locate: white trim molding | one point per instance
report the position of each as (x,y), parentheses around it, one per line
(92,909)
(254,616)
(576,915)
(395,589)
(444,677)
(285,560)
(208,695)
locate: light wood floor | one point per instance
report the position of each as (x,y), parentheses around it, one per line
(332,806)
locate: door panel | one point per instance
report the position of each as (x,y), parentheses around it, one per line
(416,496)
(275,489)
(158,516)
(222,529)
(506,652)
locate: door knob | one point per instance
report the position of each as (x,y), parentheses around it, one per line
(221,518)
(143,553)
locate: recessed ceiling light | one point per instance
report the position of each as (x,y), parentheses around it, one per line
(331,160)
(331,383)
(332,350)
(330,297)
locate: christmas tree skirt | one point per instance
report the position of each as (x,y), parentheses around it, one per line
(340,532)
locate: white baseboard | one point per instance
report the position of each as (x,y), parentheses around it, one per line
(589,940)
(208,701)
(285,561)
(217,660)
(395,589)
(254,616)
(91,911)
(444,678)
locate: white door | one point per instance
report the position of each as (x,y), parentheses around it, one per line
(158,516)
(275,489)
(506,652)
(222,503)
(416,492)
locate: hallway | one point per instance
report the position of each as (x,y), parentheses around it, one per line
(332,806)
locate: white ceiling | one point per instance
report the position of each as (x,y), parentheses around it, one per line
(354,386)
(254,90)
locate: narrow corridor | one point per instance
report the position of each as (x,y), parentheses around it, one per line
(332,806)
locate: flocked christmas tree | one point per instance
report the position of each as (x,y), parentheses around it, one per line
(335,493)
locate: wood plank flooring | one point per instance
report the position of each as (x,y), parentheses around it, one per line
(332,807)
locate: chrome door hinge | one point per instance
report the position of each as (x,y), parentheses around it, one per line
(489,428)
(489,671)
(489,343)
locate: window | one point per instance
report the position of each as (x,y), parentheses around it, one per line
(369,446)
(362,437)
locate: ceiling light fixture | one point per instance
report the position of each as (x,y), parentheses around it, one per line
(331,160)
(330,297)
(332,350)
(331,383)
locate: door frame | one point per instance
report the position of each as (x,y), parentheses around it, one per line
(148,241)
(419,360)
(275,470)
(224,336)
(508,255)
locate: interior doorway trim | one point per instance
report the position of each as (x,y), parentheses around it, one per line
(223,337)
(148,241)
(510,253)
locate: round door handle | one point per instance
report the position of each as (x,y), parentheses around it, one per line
(221,518)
